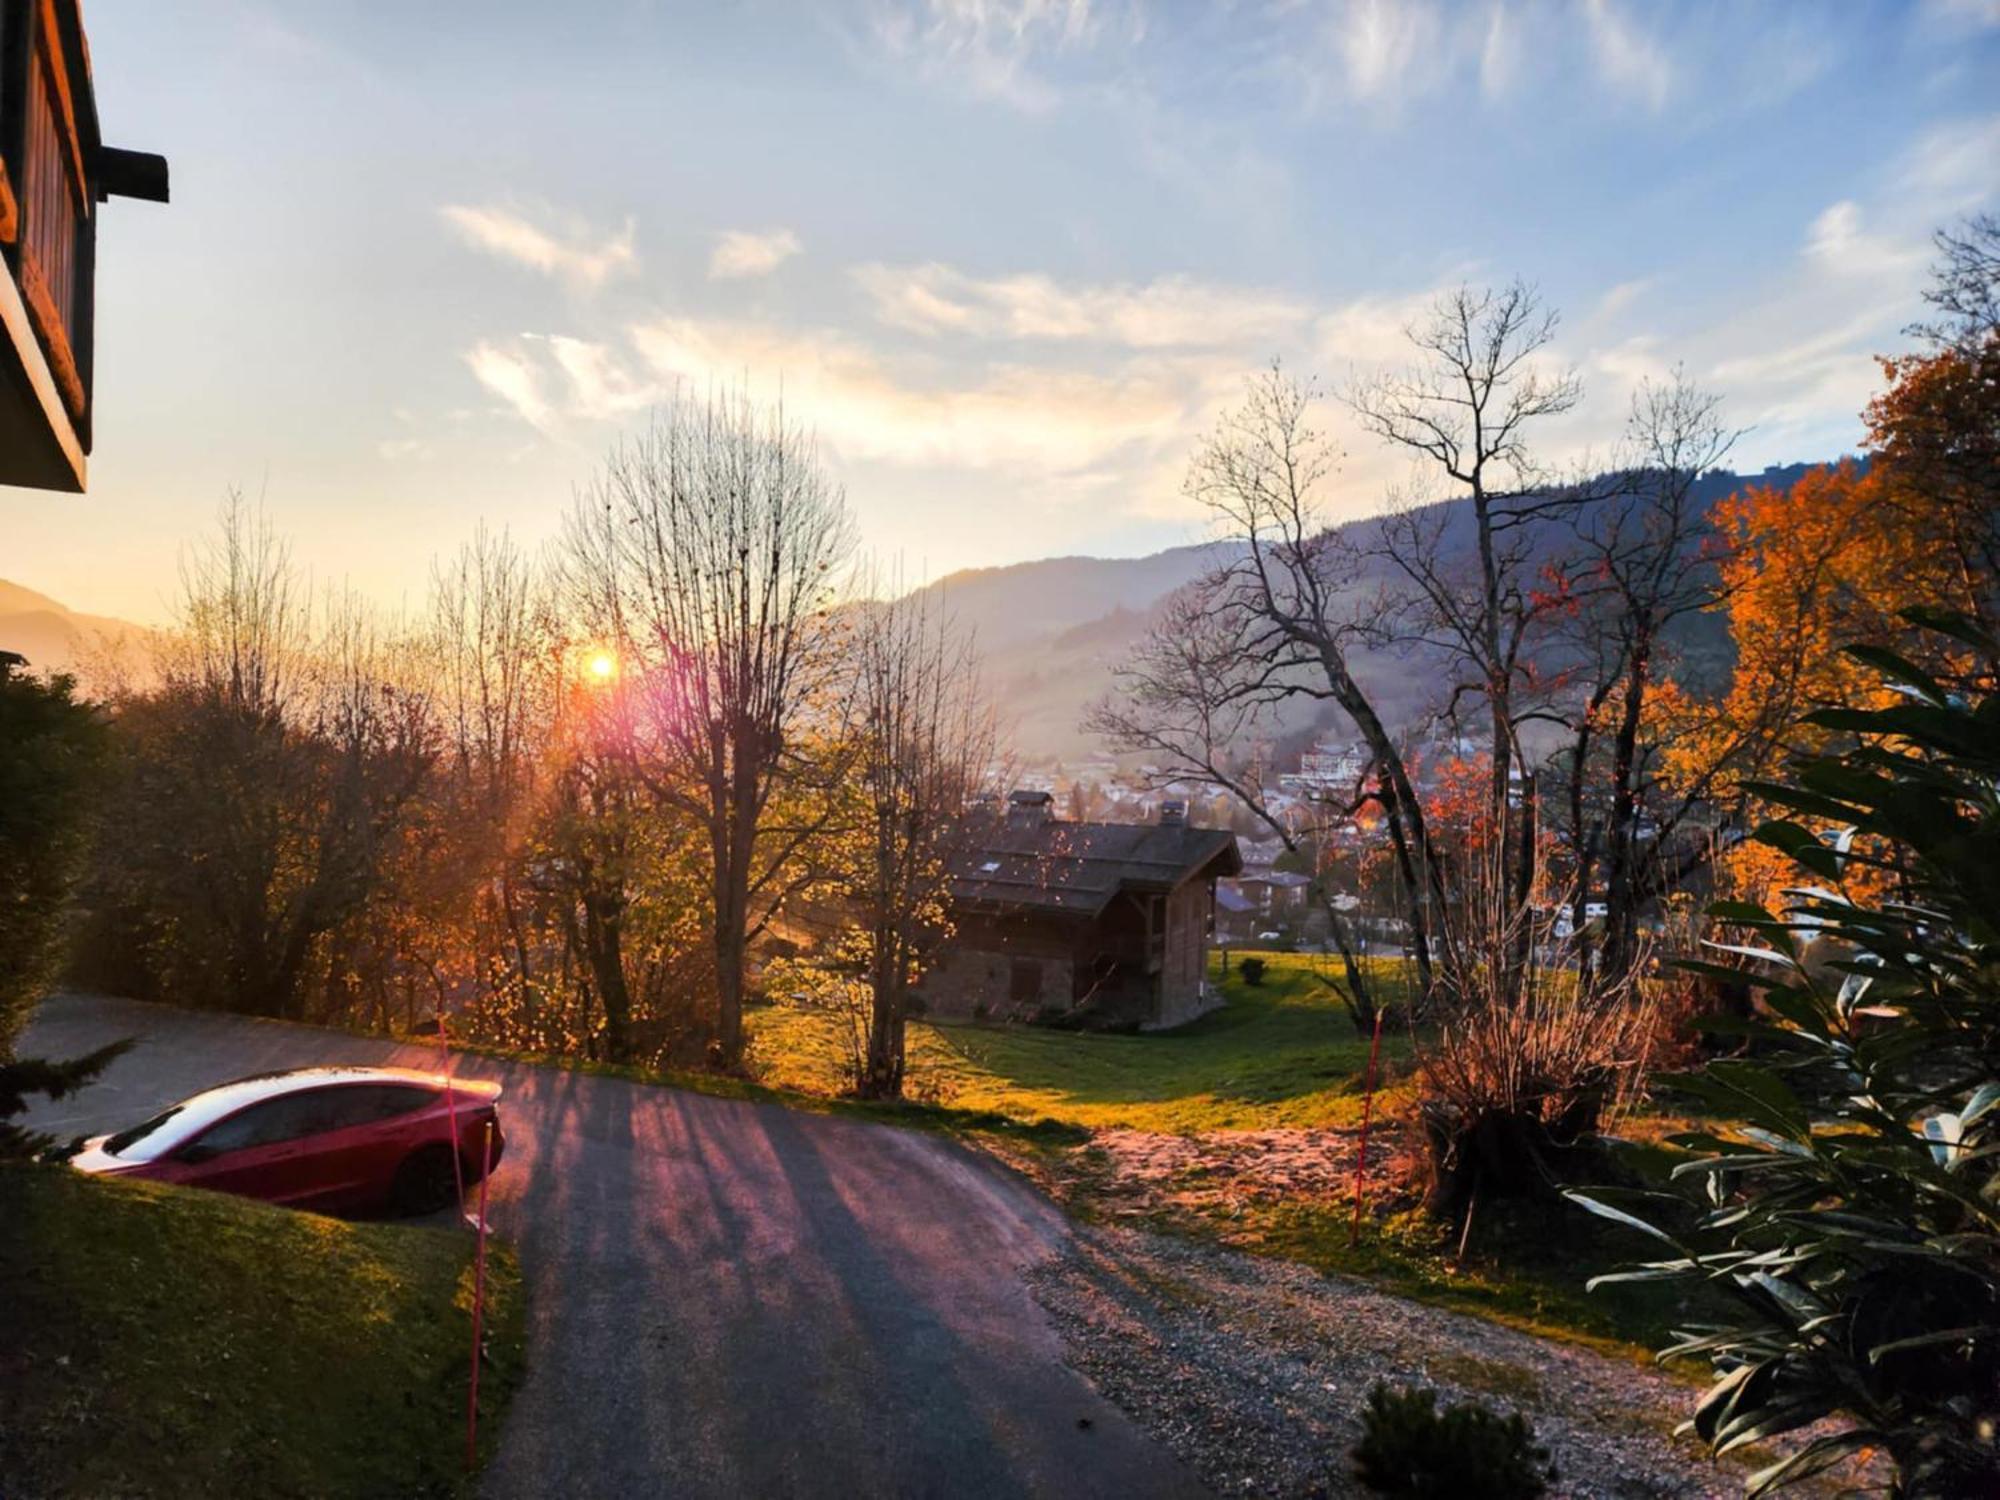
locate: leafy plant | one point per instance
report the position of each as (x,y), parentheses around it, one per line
(1854,1216)
(23,1078)
(1466,1452)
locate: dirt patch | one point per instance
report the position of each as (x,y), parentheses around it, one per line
(1139,1170)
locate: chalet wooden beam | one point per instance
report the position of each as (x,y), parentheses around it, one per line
(130,174)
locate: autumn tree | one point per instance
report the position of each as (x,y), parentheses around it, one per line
(1645,561)
(499,658)
(262,785)
(707,553)
(1841,558)
(1934,432)
(621,877)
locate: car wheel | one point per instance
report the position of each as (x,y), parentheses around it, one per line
(426,1181)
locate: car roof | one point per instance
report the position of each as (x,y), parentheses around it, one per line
(199,1111)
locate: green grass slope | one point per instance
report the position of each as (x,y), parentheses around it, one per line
(164,1342)
(1280,1053)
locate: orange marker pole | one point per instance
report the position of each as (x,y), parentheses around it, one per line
(478,1307)
(1367,1114)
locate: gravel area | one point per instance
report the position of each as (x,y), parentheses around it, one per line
(1254,1371)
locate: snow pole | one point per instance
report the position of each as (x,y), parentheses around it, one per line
(478,1304)
(1367,1115)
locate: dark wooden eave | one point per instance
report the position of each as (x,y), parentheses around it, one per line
(1055,867)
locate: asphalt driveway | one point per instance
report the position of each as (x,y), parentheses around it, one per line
(729,1298)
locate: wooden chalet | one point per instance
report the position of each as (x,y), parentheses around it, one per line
(54,171)
(1088,923)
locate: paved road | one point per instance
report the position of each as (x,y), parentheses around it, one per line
(728,1298)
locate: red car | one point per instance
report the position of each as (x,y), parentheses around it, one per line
(336,1140)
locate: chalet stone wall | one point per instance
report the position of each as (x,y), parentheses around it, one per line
(969,981)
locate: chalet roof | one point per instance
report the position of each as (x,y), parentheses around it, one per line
(1052,865)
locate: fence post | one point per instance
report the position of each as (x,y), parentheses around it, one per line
(1367,1116)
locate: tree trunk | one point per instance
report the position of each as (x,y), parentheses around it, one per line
(604,951)
(888,1025)
(1620,917)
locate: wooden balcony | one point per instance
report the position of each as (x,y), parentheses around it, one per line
(54,170)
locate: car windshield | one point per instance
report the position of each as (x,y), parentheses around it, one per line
(124,1140)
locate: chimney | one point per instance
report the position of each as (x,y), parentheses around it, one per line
(1173,812)
(1028,809)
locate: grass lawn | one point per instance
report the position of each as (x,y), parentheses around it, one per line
(1280,1053)
(170,1343)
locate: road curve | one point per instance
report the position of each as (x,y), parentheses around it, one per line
(727,1298)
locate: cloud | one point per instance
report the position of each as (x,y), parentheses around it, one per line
(1170,312)
(1380,41)
(1838,243)
(1615,300)
(1378,56)
(1627,57)
(1953,165)
(744,252)
(1499,54)
(554,381)
(1968,13)
(575,255)
(998,49)
(515,379)
(1001,416)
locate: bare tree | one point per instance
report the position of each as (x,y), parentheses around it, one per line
(1467,408)
(1275,618)
(708,551)
(267,779)
(1965,285)
(922,737)
(499,661)
(1648,558)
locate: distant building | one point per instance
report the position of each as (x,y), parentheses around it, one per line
(54,171)
(1329,769)
(1061,919)
(1260,899)
(1261,854)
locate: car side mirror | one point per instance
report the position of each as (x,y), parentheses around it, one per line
(195,1153)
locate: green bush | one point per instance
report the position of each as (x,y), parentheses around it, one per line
(1853,1217)
(1252,970)
(51,751)
(1466,1452)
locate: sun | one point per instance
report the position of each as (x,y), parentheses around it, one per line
(603,666)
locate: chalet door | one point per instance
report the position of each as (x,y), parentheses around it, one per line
(1024,982)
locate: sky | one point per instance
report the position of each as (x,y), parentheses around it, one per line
(1007,259)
